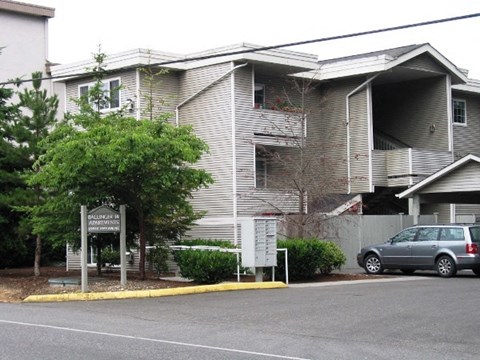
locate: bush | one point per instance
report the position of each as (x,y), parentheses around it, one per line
(308,257)
(158,257)
(206,266)
(110,256)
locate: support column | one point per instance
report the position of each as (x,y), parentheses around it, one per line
(414,208)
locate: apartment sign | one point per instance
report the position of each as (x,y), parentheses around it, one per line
(103,219)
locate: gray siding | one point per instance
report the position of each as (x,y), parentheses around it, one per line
(359,146)
(407,111)
(424,62)
(279,129)
(466,139)
(128,91)
(213,124)
(462,180)
(163,91)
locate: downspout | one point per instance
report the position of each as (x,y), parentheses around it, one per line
(177,108)
(347,123)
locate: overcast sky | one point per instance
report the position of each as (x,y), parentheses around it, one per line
(187,26)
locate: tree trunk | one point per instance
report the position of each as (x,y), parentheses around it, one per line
(38,254)
(141,226)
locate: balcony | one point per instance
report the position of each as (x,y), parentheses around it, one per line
(406,166)
(277,127)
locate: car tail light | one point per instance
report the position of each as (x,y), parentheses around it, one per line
(472,248)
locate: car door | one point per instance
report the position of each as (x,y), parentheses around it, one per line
(398,251)
(425,247)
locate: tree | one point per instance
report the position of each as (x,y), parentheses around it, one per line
(144,164)
(38,114)
(12,163)
(296,167)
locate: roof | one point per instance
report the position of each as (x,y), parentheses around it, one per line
(394,53)
(438,175)
(383,61)
(294,61)
(29,9)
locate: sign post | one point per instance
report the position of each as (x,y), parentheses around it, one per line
(84,247)
(103,219)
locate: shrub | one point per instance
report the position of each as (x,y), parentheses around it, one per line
(308,257)
(110,256)
(158,257)
(206,266)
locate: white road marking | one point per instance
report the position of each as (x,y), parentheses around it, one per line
(153,340)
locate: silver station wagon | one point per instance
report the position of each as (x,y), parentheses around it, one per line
(443,248)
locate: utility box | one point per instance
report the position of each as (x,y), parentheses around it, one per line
(259,242)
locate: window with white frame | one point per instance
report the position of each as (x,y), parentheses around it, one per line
(259,96)
(111,91)
(459,112)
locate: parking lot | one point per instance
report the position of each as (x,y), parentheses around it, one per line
(405,317)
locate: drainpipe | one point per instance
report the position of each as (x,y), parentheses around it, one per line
(177,108)
(347,123)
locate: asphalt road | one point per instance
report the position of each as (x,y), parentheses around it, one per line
(414,318)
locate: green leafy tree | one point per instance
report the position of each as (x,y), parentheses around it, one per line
(144,164)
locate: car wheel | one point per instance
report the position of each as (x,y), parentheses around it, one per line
(445,266)
(373,265)
(407,271)
(476,271)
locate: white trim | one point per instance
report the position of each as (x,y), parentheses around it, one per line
(295,60)
(104,81)
(234,154)
(446,170)
(370,136)
(450,115)
(138,78)
(453,112)
(453,211)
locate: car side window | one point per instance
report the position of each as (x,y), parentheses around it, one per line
(475,234)
(452,234)
(427,234)
(404,236)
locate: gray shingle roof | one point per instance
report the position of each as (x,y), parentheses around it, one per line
(394,53)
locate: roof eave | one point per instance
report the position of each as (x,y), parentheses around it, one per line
(446,170)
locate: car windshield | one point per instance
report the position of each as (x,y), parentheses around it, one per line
(475,234)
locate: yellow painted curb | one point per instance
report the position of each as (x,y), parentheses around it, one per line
(154,293)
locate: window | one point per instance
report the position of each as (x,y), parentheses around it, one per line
(111,91)
(405,235)
(452,234)
(259,96)
(459,112)
(260,172)
(428,234)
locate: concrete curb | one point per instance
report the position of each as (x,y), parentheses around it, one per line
(154,293)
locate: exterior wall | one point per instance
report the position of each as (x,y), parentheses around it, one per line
(424,62)
(443,211)
(463,179)
(359,108)
(466,139)
(24,38)
(210,114)
(407,111)
(328,133)
(164,92)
